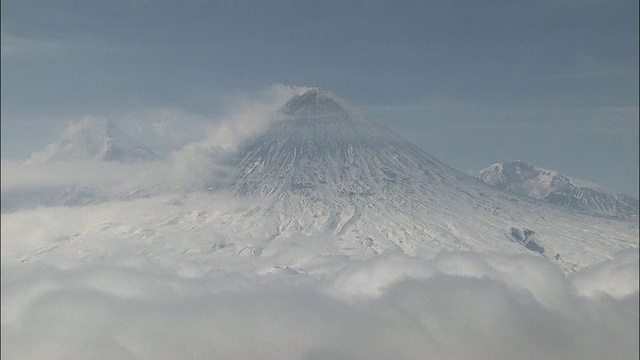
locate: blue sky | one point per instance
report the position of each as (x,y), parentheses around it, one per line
(554,83)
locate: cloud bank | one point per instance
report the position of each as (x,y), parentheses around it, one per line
(457,306)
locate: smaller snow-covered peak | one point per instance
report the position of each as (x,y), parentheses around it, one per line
(97,139)
(505,175)
(551,186)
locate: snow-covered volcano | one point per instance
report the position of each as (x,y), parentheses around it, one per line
(555,188)
(328,170)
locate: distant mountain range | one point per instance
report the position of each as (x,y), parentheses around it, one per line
(323,186)
(557,189)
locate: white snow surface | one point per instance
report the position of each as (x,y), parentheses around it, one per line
(327,236)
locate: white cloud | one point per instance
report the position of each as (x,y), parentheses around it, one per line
(430,307)
(83,139)
(166,129)
(250,115)
(617,278)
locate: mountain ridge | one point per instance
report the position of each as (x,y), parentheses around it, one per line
(324,187)
(554,188)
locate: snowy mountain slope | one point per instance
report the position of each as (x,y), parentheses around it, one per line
(325,146)
(328,169)
(31,198)
(554,188)
(97,139)
(319,189)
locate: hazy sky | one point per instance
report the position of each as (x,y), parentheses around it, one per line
(554,83)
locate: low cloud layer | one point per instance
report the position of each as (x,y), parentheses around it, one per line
(457,306)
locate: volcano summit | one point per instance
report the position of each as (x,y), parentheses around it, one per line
(324,146)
